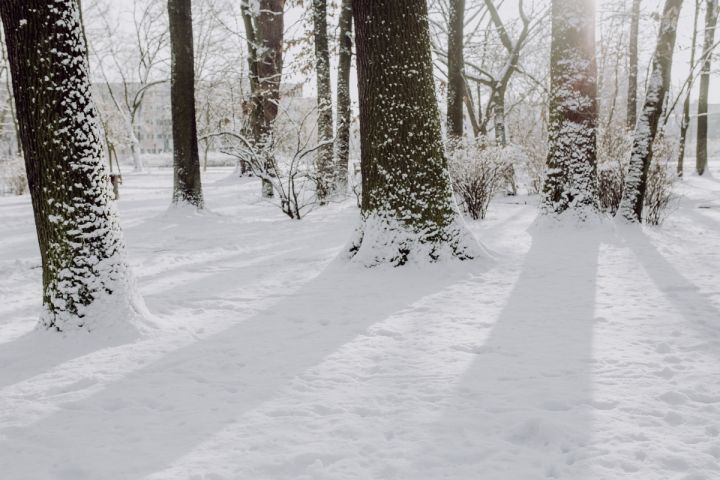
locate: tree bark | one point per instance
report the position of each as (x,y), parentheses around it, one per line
(570,183)
(631,205)
(186,159)
(324,162)
(685,122)
(633,64)
(85,276)
(711,18)
(407,206)
(456,80)
(344,111)
(265,29)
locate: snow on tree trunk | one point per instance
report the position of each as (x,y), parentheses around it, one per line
(631,205)
(711,18)
(187,187)
(456,79)
(685,122)
(570,184)
(344,110)
(633,64)
(324,163)
(86,281)
(138,165)
(407,205)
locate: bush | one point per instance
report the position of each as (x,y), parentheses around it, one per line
(478,172)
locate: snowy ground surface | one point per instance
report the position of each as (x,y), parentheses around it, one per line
(573,354)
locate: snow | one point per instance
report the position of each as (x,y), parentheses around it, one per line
(574,353)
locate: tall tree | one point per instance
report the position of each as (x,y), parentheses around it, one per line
(186,160)
(711,18)
(344,110)
(685,122)
(407,206)
(85,277)
(631,205)
(633,64)
(264,30)
(572,130)
(456,79)
(325,168)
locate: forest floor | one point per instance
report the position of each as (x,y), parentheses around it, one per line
(573,354)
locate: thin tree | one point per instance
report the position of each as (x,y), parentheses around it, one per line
(685,122)
(570,183)
(325,180)
(186,160)
(344,111)
(456,78)
(407,206)
(711,18)
(264,31)
(631,205)
(85,276)
(633,64)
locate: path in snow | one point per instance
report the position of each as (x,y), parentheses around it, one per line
(575,354)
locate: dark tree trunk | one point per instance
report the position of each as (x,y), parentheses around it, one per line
(344,111)
(324,161)
(264,32)
(711,17)
(186,160)
(631,206)
(633,64)
(456,80)
(571,170)
(685,122)
(85,276)
(407,206)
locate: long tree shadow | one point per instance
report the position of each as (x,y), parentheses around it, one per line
(524,407)
(141,423)
(700,312)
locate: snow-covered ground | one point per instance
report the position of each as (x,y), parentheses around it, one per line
(591,354)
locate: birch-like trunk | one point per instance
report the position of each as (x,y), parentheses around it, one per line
(631,205)
(711,18)
(685,122)
(344,111)
(407,205)
(633,64)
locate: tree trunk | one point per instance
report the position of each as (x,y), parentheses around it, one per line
(685,122)
(344,111)
(186,159)
(498,113)
(85,276)
(631,205)
(633,64)
(135,149)
(711,17)
(324,185)
(456,80)
(265,29)
(571,168)
(407,204)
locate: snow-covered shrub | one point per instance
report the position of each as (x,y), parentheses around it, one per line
(478,172)
(14,180)
(614,146)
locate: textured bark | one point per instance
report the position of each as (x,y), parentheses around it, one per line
(265,31)
(324,162)
(407,207)
(571,166)
(186,160)
(633,64)
(456,80)
(631,205)
(85,277)
(344,111)
(711,18)
(685,122)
